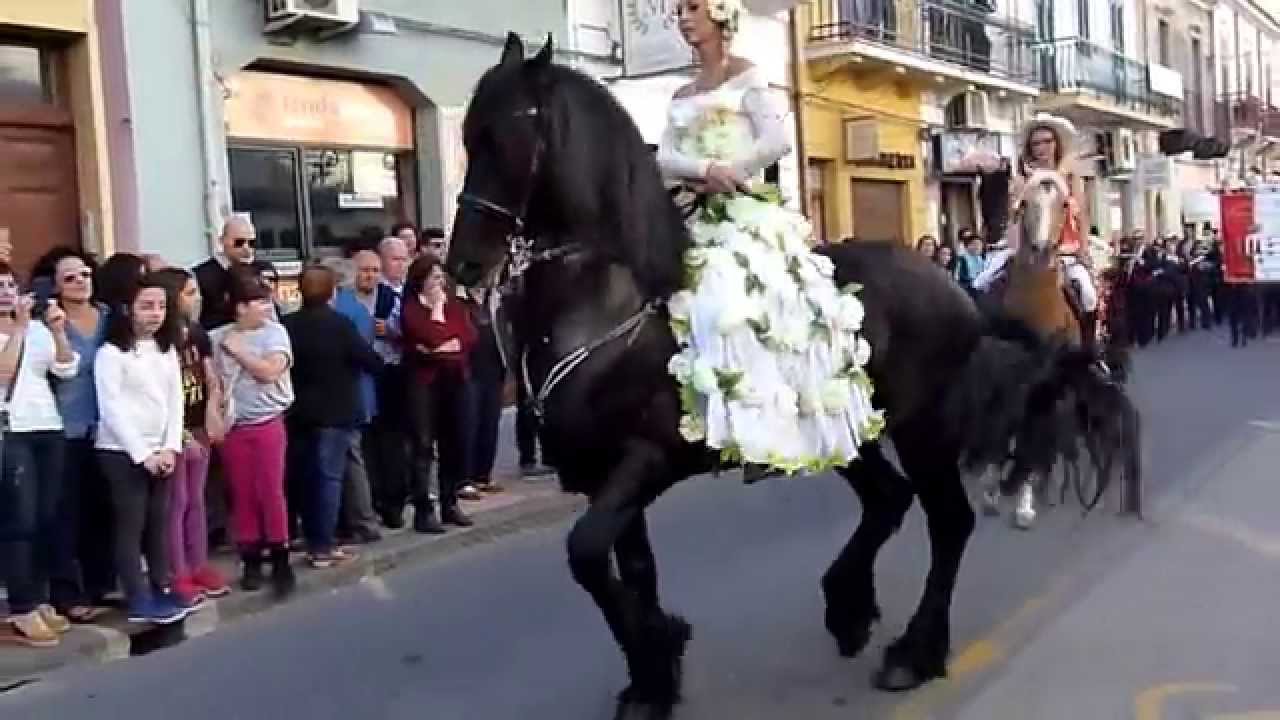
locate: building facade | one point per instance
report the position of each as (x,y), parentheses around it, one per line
(897,94)
(327,129)
(1247,68)
(55,168)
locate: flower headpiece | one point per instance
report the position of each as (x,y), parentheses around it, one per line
(727,14)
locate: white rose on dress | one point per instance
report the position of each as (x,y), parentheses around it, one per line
(704,378)
(823,265)
(692,429)
(680,366)
(861,352)
(850,313)
(680,305)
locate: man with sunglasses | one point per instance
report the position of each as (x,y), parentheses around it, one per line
(238,240)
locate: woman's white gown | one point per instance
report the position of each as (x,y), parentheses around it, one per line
(772,366)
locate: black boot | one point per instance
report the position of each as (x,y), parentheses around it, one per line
(424,519)
(283,580)
(251,557)
(454,516)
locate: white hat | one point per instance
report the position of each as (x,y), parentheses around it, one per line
(1061,127)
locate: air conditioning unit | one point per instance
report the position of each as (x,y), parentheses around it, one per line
(977,109)
(325,17)
(1123,151)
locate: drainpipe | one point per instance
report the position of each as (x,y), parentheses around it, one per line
(216,197)
(797,97)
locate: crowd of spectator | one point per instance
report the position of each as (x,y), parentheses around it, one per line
(150,413)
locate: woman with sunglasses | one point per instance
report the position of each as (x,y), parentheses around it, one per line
(83,570)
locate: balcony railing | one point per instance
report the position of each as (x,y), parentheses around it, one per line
(1079,65)
(963,33)
(1246,112)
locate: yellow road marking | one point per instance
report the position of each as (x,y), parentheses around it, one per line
(1255,540)
(1149,704)
(980,655)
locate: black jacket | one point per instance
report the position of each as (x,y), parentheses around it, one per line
(215,286)
(328,357)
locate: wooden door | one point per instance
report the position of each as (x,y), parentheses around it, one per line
(38,201)
(878,210)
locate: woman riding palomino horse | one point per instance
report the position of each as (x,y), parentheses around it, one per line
(1043,275)
(561,189)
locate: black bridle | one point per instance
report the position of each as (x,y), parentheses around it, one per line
(522,253)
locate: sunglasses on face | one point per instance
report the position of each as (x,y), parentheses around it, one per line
(244,242)
(71,277)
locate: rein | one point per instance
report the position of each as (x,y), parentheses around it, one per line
(522,255)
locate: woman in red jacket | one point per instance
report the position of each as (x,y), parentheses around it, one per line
(438,337)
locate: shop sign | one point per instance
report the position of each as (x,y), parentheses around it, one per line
(889,161)
(315,111)
(971,152)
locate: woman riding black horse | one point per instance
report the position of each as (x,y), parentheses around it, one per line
(561,188)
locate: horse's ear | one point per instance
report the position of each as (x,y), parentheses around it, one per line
(513,51)
(546,53)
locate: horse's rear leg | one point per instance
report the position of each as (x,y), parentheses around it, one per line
(849,584)
(650,641)
(920,654)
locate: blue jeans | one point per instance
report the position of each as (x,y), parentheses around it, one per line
(326,456)
(30,487)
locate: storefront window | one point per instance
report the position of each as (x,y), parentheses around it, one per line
(264,184)
(22,74)
(353,195)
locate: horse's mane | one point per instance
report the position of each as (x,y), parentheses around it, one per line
(601,184)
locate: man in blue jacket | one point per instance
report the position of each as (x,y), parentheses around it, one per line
(359,303)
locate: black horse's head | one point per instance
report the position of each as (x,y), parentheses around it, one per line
(553,157)
(506,151)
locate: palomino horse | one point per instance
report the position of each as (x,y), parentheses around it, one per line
(1035,293)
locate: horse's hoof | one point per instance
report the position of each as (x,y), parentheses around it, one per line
(850,642)
(631,707)
(898,678)
(1024,519)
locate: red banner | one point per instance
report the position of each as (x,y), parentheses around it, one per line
(1237,220)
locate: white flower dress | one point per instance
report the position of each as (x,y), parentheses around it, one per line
(772,361)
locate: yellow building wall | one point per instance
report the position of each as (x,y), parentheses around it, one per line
(73,16)
(76,18)
(833,94)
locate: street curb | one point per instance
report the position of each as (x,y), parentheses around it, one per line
(490,526)
(97,644)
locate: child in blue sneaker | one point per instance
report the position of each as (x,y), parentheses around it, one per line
(139,386)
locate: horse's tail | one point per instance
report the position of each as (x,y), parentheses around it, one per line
(1034,401)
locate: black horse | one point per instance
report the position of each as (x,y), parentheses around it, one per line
(554,160)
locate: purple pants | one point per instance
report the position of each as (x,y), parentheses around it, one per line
(188,527)
(253,459)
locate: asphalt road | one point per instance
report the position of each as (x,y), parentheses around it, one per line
(1097,617)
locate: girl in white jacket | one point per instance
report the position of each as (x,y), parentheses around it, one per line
(139,386)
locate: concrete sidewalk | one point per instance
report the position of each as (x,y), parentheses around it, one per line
(527,504)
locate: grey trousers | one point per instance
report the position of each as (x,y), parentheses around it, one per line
(357,498)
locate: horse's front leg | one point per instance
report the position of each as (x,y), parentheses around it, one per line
(920,654)
(849,584)
(614,520)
